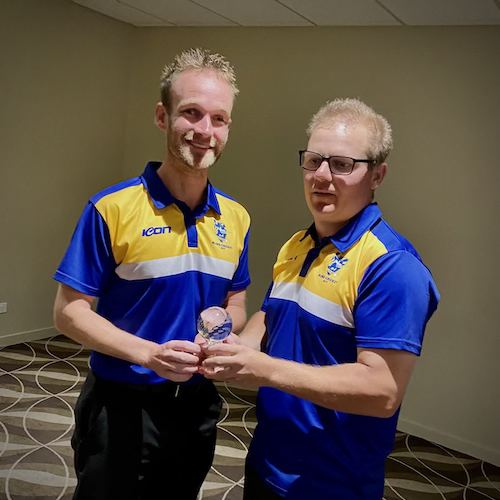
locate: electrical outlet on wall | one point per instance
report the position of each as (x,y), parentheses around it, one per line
(3,307)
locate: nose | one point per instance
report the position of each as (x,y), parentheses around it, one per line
(204,126)
(323,172)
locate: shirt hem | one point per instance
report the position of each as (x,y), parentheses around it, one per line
(239,286)
(73,283)
(394,343)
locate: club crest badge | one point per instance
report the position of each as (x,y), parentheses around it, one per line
(220,230)
(337,263)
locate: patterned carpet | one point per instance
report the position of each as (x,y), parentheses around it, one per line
(39,384)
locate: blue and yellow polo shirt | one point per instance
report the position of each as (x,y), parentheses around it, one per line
(154,263)
(365,286)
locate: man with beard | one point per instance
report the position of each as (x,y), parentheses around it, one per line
(156,250)
(343,323)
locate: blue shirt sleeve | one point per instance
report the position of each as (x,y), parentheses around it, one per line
(241,277)
(396,298)
(88,262)
(263,307)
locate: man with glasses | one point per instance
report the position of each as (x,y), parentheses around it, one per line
(340,327)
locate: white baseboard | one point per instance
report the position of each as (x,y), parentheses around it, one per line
(453,442)
(20,337)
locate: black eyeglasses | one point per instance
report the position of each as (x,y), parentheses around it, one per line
(339,165)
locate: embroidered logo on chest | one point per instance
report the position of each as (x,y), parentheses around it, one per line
(337,263)
(220,230)
(220,233)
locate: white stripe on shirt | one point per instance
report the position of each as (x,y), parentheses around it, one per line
(312,303)
(170,266)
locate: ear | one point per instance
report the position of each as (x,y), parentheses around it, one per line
(161,117)
(378,174)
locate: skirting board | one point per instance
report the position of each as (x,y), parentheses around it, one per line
(19,338)
(449,441)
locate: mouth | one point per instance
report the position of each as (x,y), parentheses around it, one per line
(204,147)
(191,140)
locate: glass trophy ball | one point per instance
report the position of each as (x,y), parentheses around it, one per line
(214,324)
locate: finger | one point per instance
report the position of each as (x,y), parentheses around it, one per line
(183,345)
(175,377)
(206,371)
(222,349)
(199,340)
(180,368)
(217,373)
(213,362)
(232,338)
(179,357)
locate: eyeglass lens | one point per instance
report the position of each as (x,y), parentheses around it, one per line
(338,164)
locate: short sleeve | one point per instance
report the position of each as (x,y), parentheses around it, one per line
(263,307)
(88,262)
(241,277)
(396,298)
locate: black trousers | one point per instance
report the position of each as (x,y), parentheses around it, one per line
(143,442)
(255,488)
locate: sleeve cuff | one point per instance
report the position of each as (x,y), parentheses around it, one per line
(77,285)
(398,344)
(240,285)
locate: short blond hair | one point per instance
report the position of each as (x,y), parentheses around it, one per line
(196,59)
(352,112)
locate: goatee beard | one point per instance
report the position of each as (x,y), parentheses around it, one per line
(206,162)
(187,156)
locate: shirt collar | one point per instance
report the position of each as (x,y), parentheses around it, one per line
(162,197)
(350,232)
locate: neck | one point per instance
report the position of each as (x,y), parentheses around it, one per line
(184,183)
(326,227)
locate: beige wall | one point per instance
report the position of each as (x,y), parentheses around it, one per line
(64,89)
(64,135)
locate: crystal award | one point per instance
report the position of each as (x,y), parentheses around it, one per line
(214,324)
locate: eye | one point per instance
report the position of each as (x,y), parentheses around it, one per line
(342,164)
(219,119)
(314,161)
(191,112)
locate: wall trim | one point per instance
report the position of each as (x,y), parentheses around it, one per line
(449,441)
(20,337)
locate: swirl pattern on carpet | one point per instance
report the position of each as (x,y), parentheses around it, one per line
(40,382)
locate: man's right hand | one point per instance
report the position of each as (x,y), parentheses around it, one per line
(175,360)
